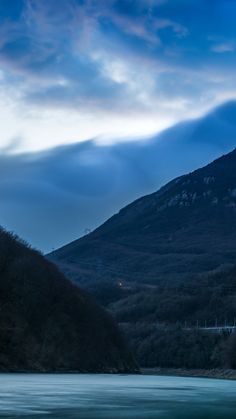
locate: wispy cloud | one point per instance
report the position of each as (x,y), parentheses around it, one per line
(223,47)
(110,61)
(179,30)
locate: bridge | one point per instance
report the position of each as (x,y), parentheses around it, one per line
(226,328)
(219,329)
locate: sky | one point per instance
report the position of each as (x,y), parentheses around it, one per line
(52,197)
(111,70)
(104,101)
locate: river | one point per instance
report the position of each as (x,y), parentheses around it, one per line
(74,396)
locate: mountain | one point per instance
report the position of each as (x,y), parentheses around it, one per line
(165,261)
(185,228)
(49,324)
(79,186)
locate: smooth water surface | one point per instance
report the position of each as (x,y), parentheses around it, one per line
(115,396)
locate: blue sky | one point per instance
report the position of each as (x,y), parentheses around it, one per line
(77,69)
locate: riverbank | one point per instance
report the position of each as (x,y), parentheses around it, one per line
(226,374)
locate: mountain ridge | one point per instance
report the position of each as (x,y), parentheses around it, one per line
(154,223)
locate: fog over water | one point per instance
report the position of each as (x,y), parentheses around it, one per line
(115,396)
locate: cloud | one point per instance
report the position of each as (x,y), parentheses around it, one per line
(53,197)
(223,47)
(115,61)
(179,30)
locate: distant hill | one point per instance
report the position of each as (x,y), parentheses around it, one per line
(49,324)
(167,259)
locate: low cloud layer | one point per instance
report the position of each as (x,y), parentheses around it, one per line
(53,197)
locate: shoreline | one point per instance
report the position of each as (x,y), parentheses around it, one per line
(221,374)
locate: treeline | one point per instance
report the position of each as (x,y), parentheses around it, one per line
(175,347)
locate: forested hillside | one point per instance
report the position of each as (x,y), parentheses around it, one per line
(49,324)
(177,326)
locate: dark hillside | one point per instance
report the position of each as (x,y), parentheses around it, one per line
(169,326)
(49,324)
